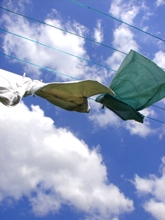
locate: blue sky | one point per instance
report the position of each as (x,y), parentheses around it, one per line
(61,165)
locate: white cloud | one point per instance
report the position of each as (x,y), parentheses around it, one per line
(51,167)
(156,209)
(98,32)
(124,11)
(18,6)
(115,60)
(163,100)
(155,187)
(160,58)
(160,2)
(143,130)
(122,35)
(52,37)
(103,118)
(124,39)
(136,128)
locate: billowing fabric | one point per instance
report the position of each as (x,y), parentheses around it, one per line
(137,84)
(71,96)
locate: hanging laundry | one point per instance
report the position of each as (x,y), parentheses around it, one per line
(137,84)
(71,96)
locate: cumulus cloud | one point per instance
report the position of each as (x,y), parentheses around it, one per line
(98,32)
(124,11)
(163,100)
(123,37)
(142,130)
(60,51)
(135,128)
(51,167)
(160,2)
(155,187)
(160,58)
(53,38)
(103,118)
(115,60)
(15,5)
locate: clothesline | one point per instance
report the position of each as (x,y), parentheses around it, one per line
(39,66)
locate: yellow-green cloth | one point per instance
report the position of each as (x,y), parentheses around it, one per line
(72,96)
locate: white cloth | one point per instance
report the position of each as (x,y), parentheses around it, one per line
(12,87)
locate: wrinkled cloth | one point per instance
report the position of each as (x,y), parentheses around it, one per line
(71,96)
(12,87)
(138,83)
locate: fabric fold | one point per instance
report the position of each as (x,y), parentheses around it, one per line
(123,110)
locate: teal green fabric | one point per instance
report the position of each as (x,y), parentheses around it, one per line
(123,110)
(138,84)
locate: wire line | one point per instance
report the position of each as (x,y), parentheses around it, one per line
(86,38)
(53,48)
(110,16)
(155,120)
(159,107)
(36,65)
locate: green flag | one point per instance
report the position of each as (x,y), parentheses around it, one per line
(137,84)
